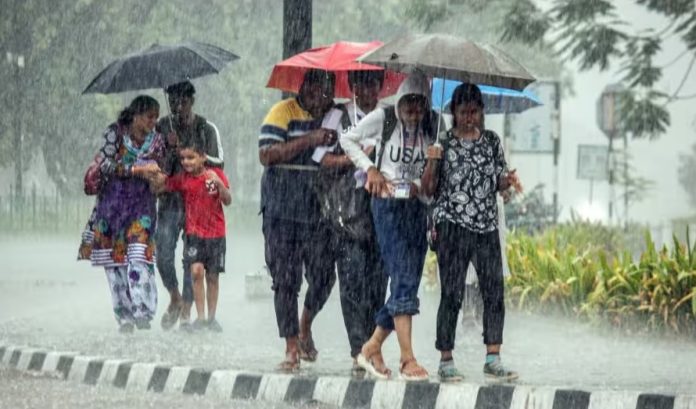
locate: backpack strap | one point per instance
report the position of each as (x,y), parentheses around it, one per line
(345,118)
(388,127)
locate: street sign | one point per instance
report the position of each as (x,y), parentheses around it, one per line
(593,161)
(532,130)
(609,110)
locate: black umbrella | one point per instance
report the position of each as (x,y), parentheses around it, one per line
(160,66)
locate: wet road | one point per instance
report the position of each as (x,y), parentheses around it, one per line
(50,301)
(22,391)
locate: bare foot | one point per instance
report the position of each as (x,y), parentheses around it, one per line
(291,362)
(411,371)
(373,355)
(307,351)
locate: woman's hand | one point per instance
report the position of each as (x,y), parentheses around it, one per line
(434,152)
(368,150)
(510,179)
(147,171)
(376,183)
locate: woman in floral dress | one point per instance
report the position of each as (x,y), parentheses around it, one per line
(125,214)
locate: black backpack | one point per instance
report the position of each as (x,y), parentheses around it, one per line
(345,206)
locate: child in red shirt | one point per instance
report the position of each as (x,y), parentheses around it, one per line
(204,191)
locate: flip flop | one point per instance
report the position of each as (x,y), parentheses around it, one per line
(412,378)
(368,366)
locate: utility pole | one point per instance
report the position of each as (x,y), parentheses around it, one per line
(297,26)
(625,177)
(609,121)
(16,59)
(556,129)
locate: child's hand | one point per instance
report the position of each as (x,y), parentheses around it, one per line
(213,177)
(157,182)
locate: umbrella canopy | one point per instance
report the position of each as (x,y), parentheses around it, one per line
(160,66)
(496,100)
(338,58)
(446,56)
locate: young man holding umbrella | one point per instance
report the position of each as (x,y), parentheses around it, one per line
(293,237)
(181,127)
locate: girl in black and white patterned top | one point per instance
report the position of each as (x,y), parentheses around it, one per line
(465,174)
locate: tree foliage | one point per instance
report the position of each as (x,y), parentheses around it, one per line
(67,42)
(591,33)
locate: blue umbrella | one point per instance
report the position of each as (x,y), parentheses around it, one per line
(496,100)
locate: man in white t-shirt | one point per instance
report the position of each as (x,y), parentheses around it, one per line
(346,209)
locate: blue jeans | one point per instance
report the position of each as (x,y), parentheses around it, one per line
(401,233)
(170,223)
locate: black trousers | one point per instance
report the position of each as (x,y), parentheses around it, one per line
(290,246)
(457,246)
(362,284)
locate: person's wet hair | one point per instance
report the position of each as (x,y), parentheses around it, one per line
(411,99)
(324,78)
(366,77)
(194,145)
(464,94)
(139,105)
(184,89)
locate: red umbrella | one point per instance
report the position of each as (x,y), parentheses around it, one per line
(338,58)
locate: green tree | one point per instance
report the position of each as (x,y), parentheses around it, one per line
(591,33)
(483,21)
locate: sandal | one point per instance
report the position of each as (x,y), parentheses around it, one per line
(171,316)
(369,366)
(417,373)
(306,350)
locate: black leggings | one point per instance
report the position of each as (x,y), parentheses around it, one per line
(457,246)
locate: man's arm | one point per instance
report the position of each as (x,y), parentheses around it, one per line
(331,160)
(171,141)
(213,149)
(283,152)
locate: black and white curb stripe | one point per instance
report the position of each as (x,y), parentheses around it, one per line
(336,391)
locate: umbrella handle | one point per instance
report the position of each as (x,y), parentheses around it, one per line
(439,119)
(169,110)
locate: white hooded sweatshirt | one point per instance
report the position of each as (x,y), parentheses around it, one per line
(404,155)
